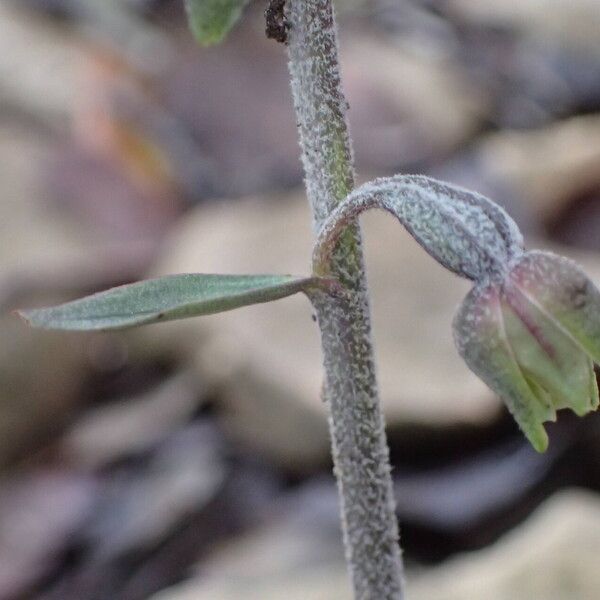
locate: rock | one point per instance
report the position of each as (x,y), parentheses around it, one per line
(44,257)
(298,555)
(130,426)
(460,498)
(551,556)
(572,22)
(38,67)
(40,511)
(138,510)
(161,512)
(42,248)
(508,60)
(319,584)
(406,108)
(548,166)
(31,236)
(40,375)
(579,223)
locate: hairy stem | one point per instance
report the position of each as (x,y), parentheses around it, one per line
(360,452)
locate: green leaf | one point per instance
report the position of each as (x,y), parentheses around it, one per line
(211,20)
(168,298)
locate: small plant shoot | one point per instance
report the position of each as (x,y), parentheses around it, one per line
(529,328)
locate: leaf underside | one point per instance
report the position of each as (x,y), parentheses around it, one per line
(165,299)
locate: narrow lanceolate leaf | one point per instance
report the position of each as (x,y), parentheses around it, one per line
(168,298)
(211,20)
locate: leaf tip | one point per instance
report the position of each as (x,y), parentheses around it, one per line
(23,315)
(539,440)
(211,20)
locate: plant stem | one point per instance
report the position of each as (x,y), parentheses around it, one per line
(359,447)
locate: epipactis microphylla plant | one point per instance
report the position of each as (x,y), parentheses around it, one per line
(529,328)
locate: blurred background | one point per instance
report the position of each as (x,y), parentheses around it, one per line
(190,461)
